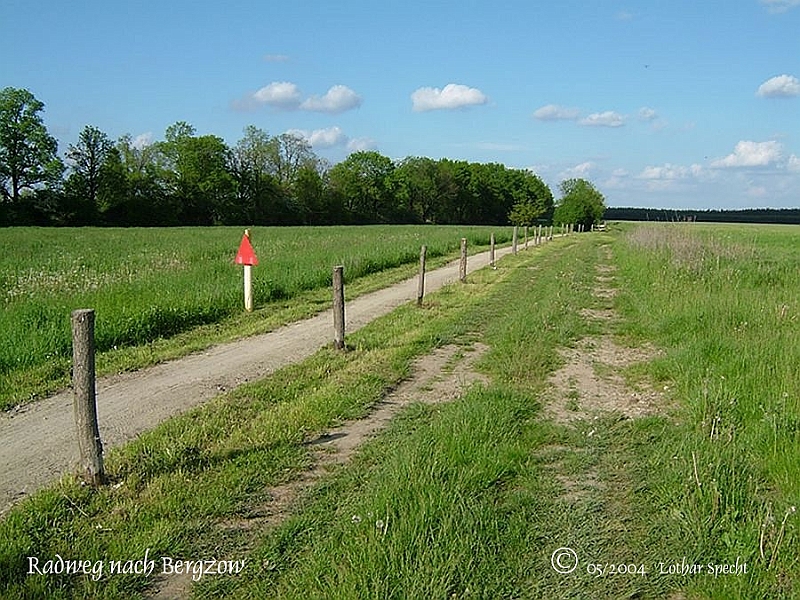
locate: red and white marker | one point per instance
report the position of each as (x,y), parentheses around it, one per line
(246,256)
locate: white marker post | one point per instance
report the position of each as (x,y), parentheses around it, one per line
(246,256)
(248,288)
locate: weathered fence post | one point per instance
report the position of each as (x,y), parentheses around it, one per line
(84,396)
(526,237)
(338,307)
(421,286)
(462,267)
(550,239)
(514,240)
(491,251)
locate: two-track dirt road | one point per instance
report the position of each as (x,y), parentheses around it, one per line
(38,443)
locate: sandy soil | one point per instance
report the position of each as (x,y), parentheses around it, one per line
(591,384)
(39,441)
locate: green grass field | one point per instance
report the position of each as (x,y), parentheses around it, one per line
(148,285)
(467,499)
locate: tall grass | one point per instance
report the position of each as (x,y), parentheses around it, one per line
(147,284)
(724,303)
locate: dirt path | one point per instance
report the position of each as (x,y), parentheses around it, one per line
(590,380)
(590,384)
(38,442)
(441,376)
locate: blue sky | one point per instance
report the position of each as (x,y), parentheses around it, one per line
(679,104)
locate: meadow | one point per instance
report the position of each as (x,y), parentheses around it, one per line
(148,285)
(470,498)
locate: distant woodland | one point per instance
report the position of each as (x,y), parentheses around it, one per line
(750,215)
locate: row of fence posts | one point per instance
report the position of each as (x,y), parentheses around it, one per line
(83,347)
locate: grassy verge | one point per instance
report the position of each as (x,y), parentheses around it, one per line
(470,499)
(171,488)
(163,293)
(723,303)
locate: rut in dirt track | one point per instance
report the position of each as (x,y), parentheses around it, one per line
(39,442)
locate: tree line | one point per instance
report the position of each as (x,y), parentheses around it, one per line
(748,215)
(191,179)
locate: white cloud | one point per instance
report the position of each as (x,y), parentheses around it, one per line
(333,137)
(276,58)
(453,95)
(624,15)
(647,114)
(336,100)
(578,171)
(322,138)
(142,140)
(793,164)
(554,112)
(608,118)
(779,6)
(751,154)
(670,172)
(782,86)
(279,94)
(284,95)
(361,144)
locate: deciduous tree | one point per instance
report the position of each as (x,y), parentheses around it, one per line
(581,203)
(86,160)
(27,151)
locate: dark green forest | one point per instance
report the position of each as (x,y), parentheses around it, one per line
(750,215)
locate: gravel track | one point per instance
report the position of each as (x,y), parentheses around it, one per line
(39,442)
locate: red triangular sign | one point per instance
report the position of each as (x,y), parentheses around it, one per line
(246,255)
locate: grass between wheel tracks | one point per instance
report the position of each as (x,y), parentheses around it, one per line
(456,500)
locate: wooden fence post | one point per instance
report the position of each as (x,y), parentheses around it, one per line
(526,237)
(514,240)
(338,307)
(491,251)
(421,286)
(462,267)
(84,396)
